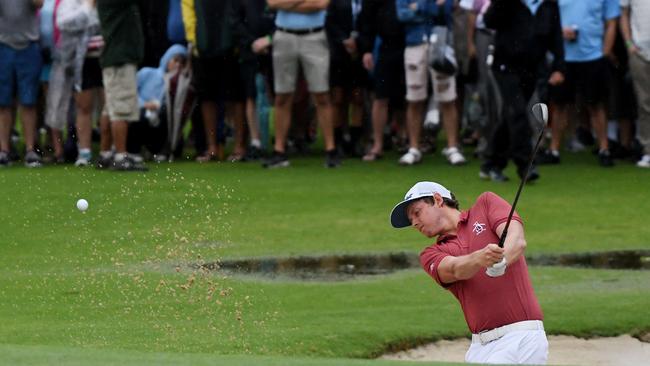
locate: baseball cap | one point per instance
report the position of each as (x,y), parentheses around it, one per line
(399,218)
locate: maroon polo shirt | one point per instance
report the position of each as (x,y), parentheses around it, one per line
(486,302)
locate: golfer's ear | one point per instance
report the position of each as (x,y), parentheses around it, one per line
(437,198)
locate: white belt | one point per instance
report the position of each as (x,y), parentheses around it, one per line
(488,336)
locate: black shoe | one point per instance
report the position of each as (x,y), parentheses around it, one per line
(533,175)
(547,157)
(605,159)
(277,160)
(4,159)
(104,163)
(129,164)
(33,160)
(253,153)
(332,159)
(493,175)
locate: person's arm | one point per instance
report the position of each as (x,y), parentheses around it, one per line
(610,37)
(471,34)
(452,269)
(367,27)
(515,243)
(37,3)
(334,26)
(626,30)
(407,10)
(556,47)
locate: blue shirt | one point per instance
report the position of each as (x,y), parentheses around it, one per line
(589,16)
(294,20)
(418,23)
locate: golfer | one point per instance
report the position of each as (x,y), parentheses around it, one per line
(491,283)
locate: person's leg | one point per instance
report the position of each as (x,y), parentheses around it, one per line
(283,103)
(84,102)
(5,128)
(640,70)
(28,117)
(598,118)
(253,123)
(414,113)
(324,112)
(120,131)
(209,114)
(379,116)
(450,123)
(236,114)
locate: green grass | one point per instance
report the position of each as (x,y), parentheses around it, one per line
(104,286)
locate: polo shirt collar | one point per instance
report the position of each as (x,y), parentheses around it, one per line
(464,215)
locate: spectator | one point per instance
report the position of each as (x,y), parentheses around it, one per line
(419,17)
(348,78)
(175,27)
(122,32)
(636,32)
(20,69)
(378,19)
(525,32)
(589,30)
(300,41)
(151,130)
(256,23)
(209,28)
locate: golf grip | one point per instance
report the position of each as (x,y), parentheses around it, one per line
(521,186)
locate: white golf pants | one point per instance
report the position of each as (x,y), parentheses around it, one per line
(516,347)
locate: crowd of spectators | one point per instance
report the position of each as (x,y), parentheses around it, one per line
(154,79)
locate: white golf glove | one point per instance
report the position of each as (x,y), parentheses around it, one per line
(497,269)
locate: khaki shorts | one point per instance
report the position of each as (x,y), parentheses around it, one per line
(310,51)
(418,72)
(121,93)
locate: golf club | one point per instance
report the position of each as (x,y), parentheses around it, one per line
(540,112)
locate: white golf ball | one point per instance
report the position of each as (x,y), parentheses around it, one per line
(82,205)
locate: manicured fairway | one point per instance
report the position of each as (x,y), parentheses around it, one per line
(114,285)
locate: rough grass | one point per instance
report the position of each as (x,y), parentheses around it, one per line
(102,286)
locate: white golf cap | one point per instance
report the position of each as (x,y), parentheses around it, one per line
(399,218)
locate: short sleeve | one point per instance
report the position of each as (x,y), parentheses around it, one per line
(430,258)
(497,210)
(612,9)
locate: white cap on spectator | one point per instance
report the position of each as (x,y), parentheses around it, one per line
(399,218)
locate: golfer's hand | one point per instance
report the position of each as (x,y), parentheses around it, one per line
(490,255)
(498,269)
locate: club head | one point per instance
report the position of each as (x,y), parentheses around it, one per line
(540,112)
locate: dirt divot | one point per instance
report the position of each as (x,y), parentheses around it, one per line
(623,350)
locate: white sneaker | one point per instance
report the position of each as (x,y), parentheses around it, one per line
(644,162)
(454,156)
(413,156)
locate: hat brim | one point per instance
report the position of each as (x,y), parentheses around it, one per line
(398,217)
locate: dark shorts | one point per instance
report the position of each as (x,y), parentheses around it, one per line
(388,77)
(347,73)
(584,82)
(91,74)
(218,78)
(250,69)
(21,67)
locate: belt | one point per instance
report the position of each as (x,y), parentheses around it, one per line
(488,336)
(301,32)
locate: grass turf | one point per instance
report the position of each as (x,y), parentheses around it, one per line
(107,280)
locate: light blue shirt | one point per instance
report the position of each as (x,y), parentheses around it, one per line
(293,20)
(589,16)
(533,5)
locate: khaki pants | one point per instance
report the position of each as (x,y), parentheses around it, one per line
(311,51)
(121,93)
(640,70)
(418,72)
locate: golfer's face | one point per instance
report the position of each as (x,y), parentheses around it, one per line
(425,218)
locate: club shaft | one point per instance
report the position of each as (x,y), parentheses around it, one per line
(521,187)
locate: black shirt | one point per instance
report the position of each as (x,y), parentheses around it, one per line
(522,38)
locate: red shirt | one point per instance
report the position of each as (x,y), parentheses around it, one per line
(486,302)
